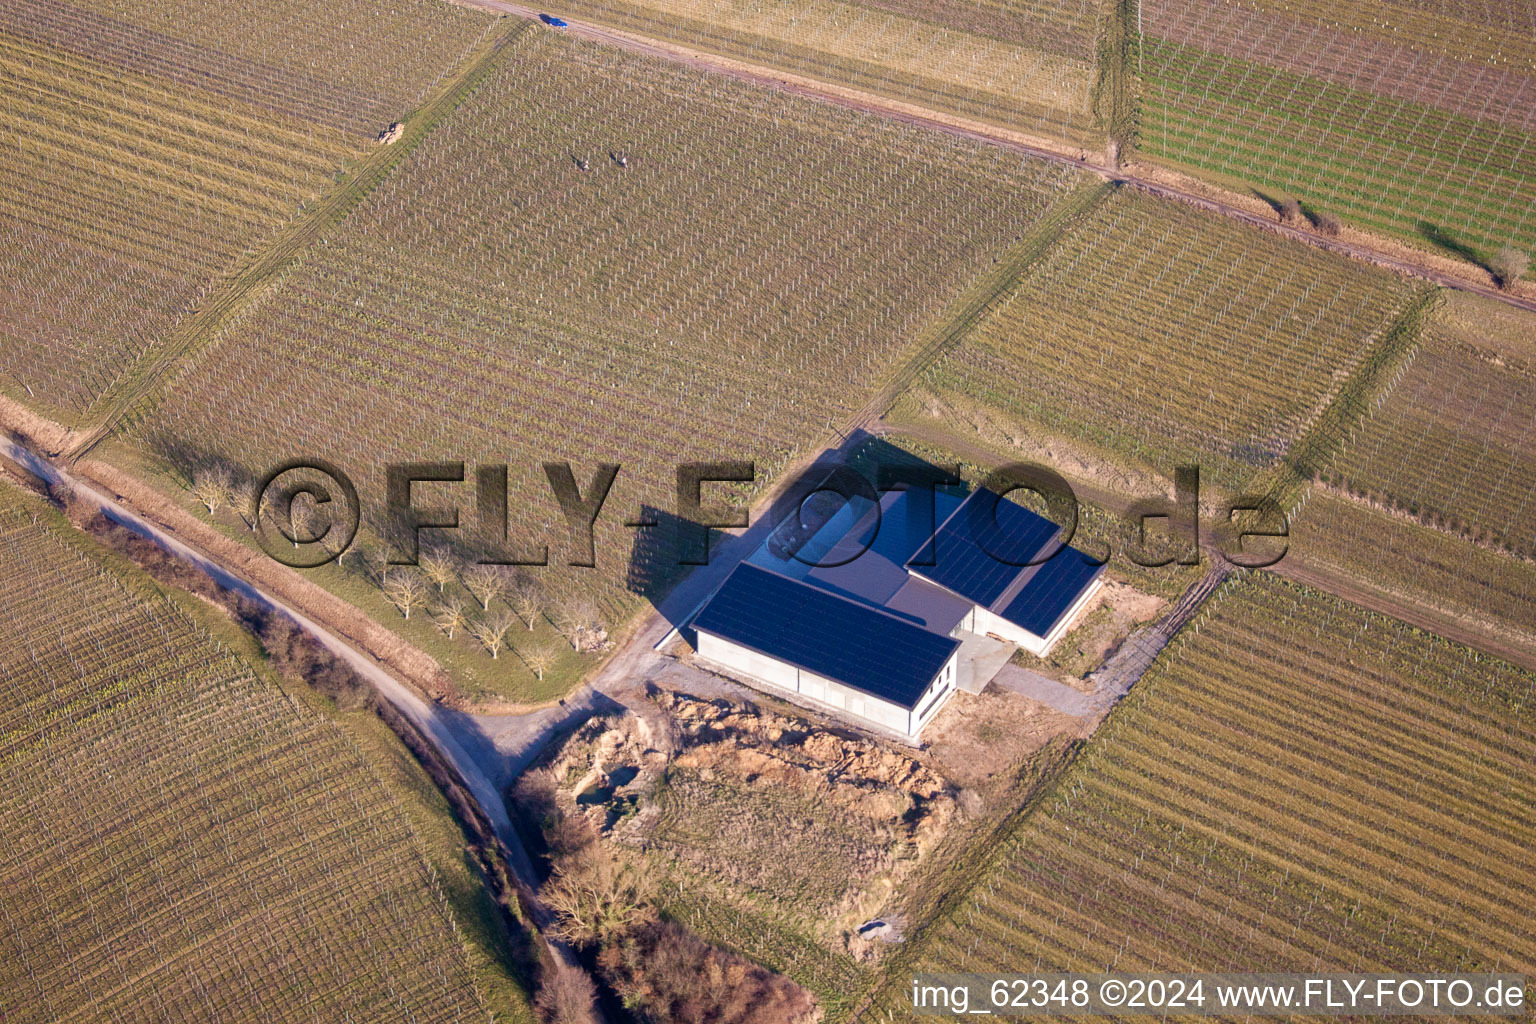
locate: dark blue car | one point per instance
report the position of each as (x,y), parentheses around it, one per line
(552,21)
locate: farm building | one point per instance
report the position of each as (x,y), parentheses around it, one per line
(881,617)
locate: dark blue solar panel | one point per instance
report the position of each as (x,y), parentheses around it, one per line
(1051,591)
(972,554)
(831,636)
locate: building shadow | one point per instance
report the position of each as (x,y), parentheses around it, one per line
(664,551)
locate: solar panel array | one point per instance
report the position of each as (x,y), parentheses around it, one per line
(1051,591)
(974,547)
(823,633)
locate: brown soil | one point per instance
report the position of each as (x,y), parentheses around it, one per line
(746,787)
(1083,651)
(978,739)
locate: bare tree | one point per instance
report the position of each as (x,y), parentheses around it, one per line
(405,590)
(1290,212)
(576,617)
(487,583)
(248,503)
(1508,265)
(491,630)
(213,487)
(439,567)
(527,602)
(1329,225)
(449,616)
(540,657)
(304,519)
(337,544)
(597,895)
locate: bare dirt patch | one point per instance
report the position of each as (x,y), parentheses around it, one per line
(978,739)
(820,824)
(1106,621)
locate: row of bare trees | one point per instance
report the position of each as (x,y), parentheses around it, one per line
(426,587)
(507,603)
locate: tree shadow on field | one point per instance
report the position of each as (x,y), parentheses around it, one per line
(1274,204)
(1438,237)
(185,458)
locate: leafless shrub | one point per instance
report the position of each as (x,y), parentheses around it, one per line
(1508,265)
(305,520)
(527,602)
(438,565)
(540,657)
(675,976)
(1290,212)
(597,895)
(1329,225)
(566,995)
(449,616)
(337,544)
(576,620)
(213,487)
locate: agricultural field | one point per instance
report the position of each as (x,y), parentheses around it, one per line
(183,839)
(1454,443)
(597,256)
(1296,783)
(1415,120)
(1399,559)
(1024,64)
(149,148)
(1198,339)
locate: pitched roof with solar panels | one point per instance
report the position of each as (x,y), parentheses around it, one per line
(999,555)
(821,632)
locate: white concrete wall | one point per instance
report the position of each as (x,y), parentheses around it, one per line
(944,685)
(983,622)
(829,693)
(748,662)
(988,624)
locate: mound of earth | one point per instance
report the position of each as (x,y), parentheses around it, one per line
(819,824)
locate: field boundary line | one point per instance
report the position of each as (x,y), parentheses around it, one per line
(135,390)
(984,295)
(1115,93)
(1362,392)
(978,855)
(425,719)
(1356,590)
(1211,197)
